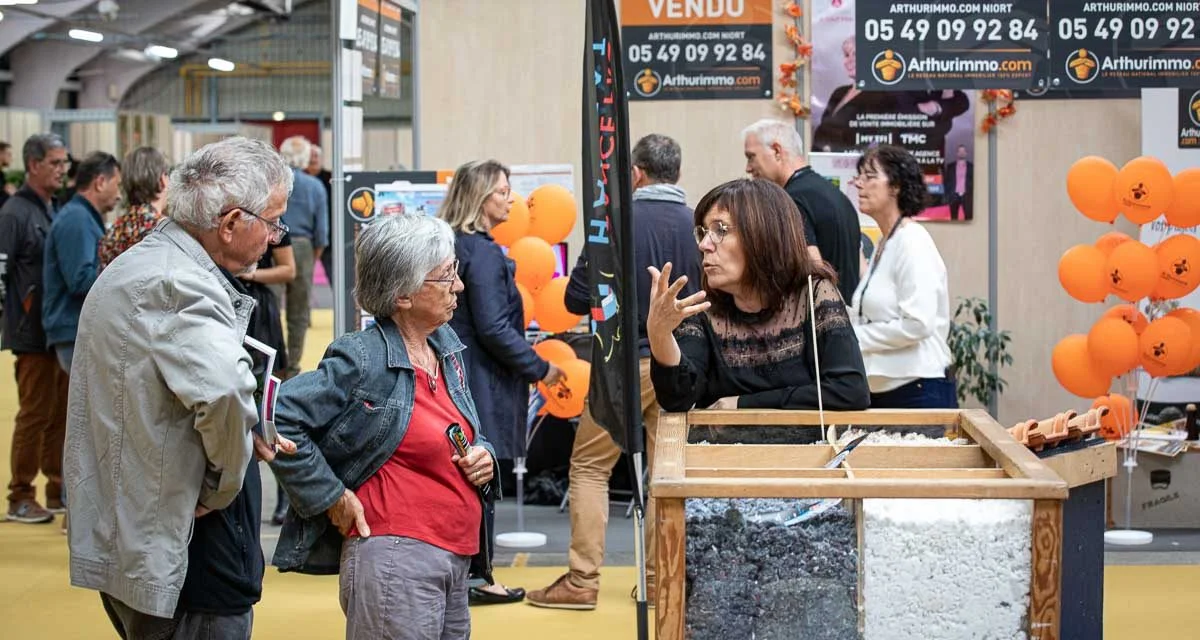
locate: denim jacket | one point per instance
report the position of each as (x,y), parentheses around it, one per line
(347,418)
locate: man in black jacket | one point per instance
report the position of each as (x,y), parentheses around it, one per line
(663,232)
(41,421)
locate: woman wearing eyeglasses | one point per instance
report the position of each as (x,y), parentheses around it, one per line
(490,321)
(746,340)
(901,308)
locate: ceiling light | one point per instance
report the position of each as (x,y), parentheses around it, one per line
(220,64)
(12,2)
(278,116)
(84,34)
(159,51)
(1,15)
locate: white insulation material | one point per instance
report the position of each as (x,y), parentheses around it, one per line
(939,569)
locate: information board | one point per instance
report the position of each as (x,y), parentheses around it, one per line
(697,50)
(952,45)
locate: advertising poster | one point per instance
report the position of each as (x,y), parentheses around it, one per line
(368,44)
(952,45)
(689,50)
(1189,119)
(937,127)
(389,50)
(1116,45)
(400,198)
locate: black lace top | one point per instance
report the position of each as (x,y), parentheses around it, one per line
(766,360)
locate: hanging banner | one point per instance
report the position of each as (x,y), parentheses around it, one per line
(389,50)
(368,44)
(1099,45)
(689,50)
(949,45)
(1189,119)
(608,233)
(937,127)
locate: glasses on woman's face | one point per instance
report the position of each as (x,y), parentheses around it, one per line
(717,231)
(448,276)
(503,193)
(866,176)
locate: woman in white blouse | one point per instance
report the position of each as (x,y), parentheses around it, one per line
(901,308)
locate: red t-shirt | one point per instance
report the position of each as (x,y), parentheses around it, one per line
(419,493)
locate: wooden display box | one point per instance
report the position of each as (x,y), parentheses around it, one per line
(995,466)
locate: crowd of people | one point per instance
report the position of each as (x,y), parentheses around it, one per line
(130,343)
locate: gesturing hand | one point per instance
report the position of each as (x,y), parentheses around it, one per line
(667,311)
(347,513)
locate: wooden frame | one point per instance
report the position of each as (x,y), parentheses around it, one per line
(994,466)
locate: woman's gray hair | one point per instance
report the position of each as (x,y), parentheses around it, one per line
(393,255)
(769,131)
(234,172)
(296,151)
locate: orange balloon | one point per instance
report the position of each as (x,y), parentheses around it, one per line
(1129,314)
(1132,270)
(1090,184)
(1081,273)
(1109,241)
(535,262)
(1114,425)
(516,226)
(1113,346)
(1192,318)
(552,314)
(1165,347)
(1073,368)
(1144,189)
(1184,211)
(551,213)
(1178,267)
(527,304)
(566,398)
(555,351)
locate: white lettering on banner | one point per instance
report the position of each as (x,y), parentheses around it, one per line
(1125,63)
(1144,7)
(962,8)
(698,8)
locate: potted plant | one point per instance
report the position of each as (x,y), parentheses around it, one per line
(979,352)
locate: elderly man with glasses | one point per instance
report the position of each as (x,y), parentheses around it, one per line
(164,491)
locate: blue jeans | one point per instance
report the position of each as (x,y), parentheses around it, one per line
(186,625)
(925,393)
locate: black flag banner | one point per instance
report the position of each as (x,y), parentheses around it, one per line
(614,397)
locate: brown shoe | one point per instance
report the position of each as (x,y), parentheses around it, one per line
(563,595)
(28,512)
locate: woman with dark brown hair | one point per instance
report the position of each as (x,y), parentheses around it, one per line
(746,340)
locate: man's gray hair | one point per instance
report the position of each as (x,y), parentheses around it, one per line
(39,145)
(394,254)
(769,131)
(234,172)
(659,156)
(296,151)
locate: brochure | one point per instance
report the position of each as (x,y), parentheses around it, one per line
(268,389)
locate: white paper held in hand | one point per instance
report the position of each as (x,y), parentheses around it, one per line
(268,386)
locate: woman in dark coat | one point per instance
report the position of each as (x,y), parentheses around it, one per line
(490,321)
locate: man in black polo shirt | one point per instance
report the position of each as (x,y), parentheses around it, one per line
(775,152)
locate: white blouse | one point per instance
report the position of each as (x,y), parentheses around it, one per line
(901,311)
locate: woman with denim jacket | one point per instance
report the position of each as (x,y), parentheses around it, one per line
(375,480)
(490,321)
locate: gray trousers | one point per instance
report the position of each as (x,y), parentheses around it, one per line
(298,294)
(394,588)
(135,625)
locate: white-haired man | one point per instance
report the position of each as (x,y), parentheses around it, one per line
(308,226)
(775,152)
(164,491)
(316,168)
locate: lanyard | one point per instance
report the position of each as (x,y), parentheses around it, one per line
(875,264)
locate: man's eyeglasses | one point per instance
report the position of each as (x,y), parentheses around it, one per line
(450,275)
(277,229)
(717,231)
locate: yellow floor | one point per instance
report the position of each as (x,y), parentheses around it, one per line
(36,600)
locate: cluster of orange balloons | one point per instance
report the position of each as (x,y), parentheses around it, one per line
(532,228)
(1123,338)
(565,398)
(1115,424)
(1142,190)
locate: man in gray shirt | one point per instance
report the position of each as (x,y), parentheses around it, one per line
(308,222)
